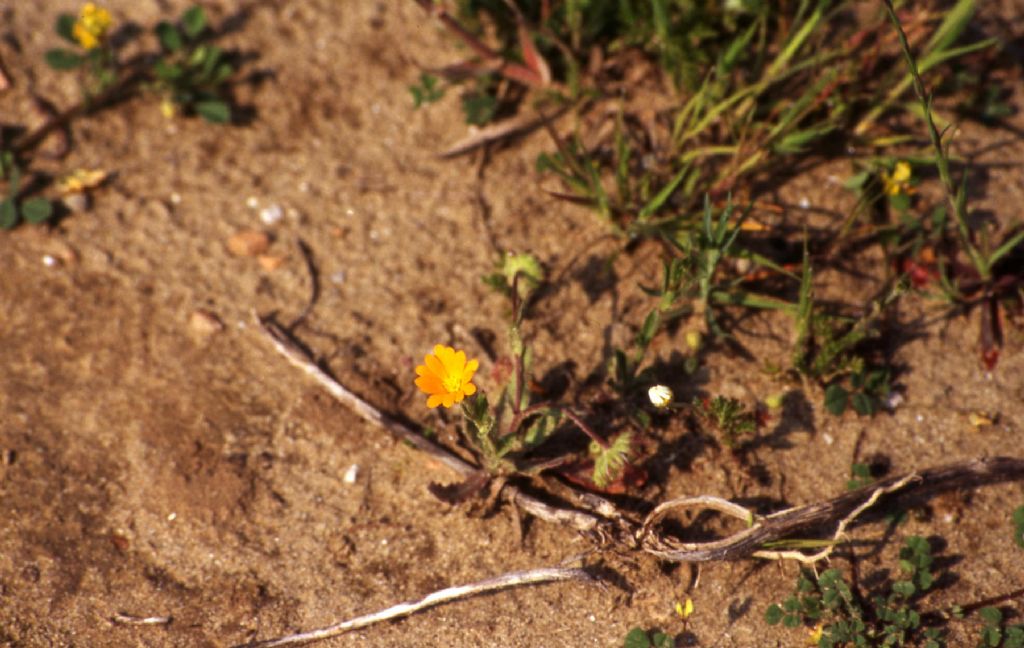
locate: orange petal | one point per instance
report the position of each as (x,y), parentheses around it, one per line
(469,389)
(436,367)
(430,384)
(470,369)
(434,401)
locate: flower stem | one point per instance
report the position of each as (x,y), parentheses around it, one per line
(594,436)
(957,203)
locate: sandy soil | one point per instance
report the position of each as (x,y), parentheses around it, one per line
(153,469)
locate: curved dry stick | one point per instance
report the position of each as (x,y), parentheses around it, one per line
(778,526)
(505,581)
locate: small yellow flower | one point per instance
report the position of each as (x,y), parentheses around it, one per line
(694,340)
(684,610)
(897,182)
(92,25)
(446,376)
(168,109)
(81,180)
(815,634)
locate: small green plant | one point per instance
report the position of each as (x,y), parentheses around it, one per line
(860,476)
(640,638)
(14,208)
(427,91)
(88,35)
(732,422)
(890,619)
(506,432)
(865,391)
(990,280)
(190,75)
(994,634)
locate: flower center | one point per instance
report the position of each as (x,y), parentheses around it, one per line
(452,383)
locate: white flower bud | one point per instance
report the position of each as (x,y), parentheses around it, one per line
(660,395)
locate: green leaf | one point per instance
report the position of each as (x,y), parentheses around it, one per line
(168,71)
(8,214)
(1014,637)
(637,638)
(609,462)
(37,210)
(1018,526)
(905,589)
(62,59)
(991,615)
(214,111)
(857,181)
(835,399)
(193,21)
(773,614)
(479,108)
(170,37)
(65,28)
(663,640)
(649,328)
(864,404)
(221,74)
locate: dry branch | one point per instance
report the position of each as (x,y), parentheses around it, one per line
(505,581)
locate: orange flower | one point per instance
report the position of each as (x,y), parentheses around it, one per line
(446,376)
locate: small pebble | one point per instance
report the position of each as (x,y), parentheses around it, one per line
(351,474)
(252,202)
(49,260)
(828,438)
(804,203)
(76,202)
(63,253)
(248,243)
(270,262)
(271,214)
(893,400)
(175,198)
(338,278)
(204,323)
(172,517)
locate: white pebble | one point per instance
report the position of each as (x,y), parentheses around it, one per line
(592,618)
(338,278)
(351,474)
(175,198)
(271,214)
(893,400)
(804,203)
(384,542)
(172,517)
(252,202)
(920,418)
(49,260)
(828,438)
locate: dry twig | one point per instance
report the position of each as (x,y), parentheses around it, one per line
(505,581)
